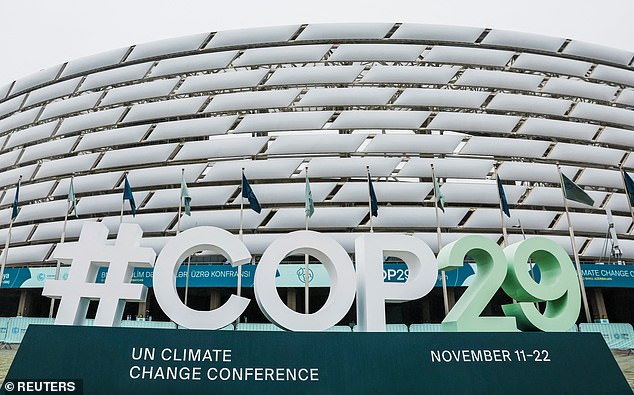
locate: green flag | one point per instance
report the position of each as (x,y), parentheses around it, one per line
(185,197)
(440,198)
(574,192)
(310,204)
(71,197)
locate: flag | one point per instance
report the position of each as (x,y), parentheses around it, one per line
(247,192)
(310,204)
(127,195)
(574,192)
(374,203)
(71,197)
(185,197)
(15,209)
(629,187)
(440,198)
(503,202)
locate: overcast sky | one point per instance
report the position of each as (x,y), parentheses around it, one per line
(36,34)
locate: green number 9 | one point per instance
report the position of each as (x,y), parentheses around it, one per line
(558,286)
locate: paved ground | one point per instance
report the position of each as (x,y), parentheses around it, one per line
(626,362)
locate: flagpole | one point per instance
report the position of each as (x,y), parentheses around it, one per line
(574,250)
(438,234)
(627,193)
(306,266)
(178,230)
(370,200)
(123,199)
(8,242)
(505,238)
(61,241)
(240,234)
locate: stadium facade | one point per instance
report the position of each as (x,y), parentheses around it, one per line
(338,99)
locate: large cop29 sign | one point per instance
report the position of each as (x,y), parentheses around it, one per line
(496,268)
(160,361)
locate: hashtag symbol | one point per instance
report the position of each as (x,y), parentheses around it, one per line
(86,257)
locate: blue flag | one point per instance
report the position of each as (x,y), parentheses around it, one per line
(247,192)
(505,205)
(15,209)
(374,203)
(629,187)
(127,195)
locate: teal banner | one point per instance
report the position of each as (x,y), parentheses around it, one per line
(166,361)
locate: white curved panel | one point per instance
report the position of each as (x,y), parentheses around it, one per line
(410,74)
(66,165)
(613,74)
(165,109)
(380,119)
(225,219)
(484,192)
(346,96)
(585,222)
(39,211)
(551,64)
(256,35)
(9,158)
(19,234)
(91,120)
(626,97)
(141,91)
(490,218)
(317,143)
(53,91)
(557,128)
(4,89)
(188,64)
(285,54)
(201,196)
(563,241)
(448,167)
(11,176)
(376,52)
(499,79)
(600,177)
(168,46)
(115,76)
(289,192)
(330,217)
(441,98)
(253,169)
(597,248)
(278,121)
(542,172)
(462,55)
(112,137)
(603,113)
(223,80)
(531,104)
(513,39)
(418,143)
(546,196)
(570,87)
(91,62)
(314,75)
(47,149)
(617,136)
(618,202)
(89,183)
(67,106)
(192,128)
(28,192)
(385,192)
(474,122)
(587,153)
(19,119)
(136,155)
(416,31)
(165,175)
(53,230)
(351,167)
(154,222)
(31,134)
(29,253)
(596,51)
(505,147)
(252,100)
(107,203)
(338,31)
(37,78)
(417,217)
(221,147)
(12,105)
